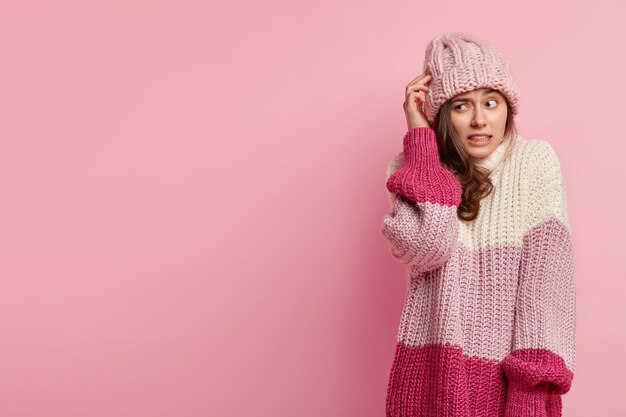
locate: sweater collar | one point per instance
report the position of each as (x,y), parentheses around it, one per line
(496,158)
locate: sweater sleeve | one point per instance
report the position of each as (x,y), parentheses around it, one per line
(422,226)
(540,367)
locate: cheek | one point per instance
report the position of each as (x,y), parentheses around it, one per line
(499,118)
(458,121)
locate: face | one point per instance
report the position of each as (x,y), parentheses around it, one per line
(482,110)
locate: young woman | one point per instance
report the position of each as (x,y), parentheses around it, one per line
(479,217)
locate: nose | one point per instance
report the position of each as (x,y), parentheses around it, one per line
(479,118)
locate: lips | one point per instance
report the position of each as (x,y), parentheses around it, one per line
(479,141)
(478,134)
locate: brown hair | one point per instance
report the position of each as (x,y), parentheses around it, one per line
(474,179)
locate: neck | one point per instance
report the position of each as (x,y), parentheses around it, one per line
(497,157)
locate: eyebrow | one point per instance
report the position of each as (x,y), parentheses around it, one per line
(487,92)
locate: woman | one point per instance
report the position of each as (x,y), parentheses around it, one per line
(479,217)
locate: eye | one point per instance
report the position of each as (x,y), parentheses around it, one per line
(457,106)
(494,100)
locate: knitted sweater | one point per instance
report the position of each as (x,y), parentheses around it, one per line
(488,325)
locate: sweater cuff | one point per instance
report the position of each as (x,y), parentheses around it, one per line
(420,147)
(421,177)
(525,401)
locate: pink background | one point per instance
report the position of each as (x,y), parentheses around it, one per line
(191,197)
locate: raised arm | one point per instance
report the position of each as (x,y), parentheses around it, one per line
(540,367)
(422,226)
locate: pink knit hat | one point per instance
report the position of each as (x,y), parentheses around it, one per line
(458,63)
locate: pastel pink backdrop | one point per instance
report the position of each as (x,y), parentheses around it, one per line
(191,197)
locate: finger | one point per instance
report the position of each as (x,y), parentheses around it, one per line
(417,99)
(419,96)
(416,87)
(420,99)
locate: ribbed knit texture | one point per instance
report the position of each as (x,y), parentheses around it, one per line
(488,325)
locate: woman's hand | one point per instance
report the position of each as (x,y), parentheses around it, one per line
(415,96)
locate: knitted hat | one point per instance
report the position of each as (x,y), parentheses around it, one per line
(458,63)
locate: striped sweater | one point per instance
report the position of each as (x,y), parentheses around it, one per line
(488,324)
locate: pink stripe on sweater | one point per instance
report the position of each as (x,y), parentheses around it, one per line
(440,380)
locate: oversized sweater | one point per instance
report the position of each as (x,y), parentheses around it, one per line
(488,324)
